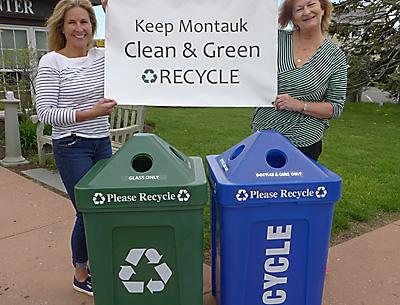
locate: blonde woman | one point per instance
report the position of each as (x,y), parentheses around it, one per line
(70,97)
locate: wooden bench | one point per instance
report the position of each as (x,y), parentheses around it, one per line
(124,122)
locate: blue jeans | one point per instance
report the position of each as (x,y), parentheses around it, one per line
(74,157)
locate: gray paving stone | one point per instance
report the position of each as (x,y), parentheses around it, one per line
(46,176)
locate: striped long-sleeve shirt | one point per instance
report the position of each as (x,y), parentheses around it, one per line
(64,86)
(322,79)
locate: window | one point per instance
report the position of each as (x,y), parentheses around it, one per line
(13,43)
(18,62)
(15,64)
(41,43)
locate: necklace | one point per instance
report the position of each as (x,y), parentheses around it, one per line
(305,53)
(305,50)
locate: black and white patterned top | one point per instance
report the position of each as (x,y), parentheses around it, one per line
(322,79)
(65,85)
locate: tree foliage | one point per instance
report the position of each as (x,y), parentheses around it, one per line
(369,31)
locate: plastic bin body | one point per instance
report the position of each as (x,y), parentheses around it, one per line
(144,225)
(270,225)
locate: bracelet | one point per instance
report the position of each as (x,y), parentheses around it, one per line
(305,106)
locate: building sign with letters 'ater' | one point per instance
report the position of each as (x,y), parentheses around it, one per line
(26,12)
(192,53)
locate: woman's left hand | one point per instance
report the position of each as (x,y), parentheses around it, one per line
(286,102)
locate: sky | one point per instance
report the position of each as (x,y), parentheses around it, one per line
(101,21)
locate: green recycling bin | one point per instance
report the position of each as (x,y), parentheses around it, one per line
(143,213)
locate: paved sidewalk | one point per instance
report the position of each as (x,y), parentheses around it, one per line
(35,225)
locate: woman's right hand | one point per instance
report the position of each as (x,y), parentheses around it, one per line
(104,107)
(101,108)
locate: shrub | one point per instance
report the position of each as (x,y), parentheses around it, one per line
(27,131)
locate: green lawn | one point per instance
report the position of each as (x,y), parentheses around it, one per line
(363,147)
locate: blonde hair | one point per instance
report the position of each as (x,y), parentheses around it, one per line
(285,14)
(55,23)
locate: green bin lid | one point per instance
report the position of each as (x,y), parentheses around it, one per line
(145,172)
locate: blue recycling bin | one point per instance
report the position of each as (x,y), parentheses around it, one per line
(271,218)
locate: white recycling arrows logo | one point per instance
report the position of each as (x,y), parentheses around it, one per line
(98,199)
(153,257)
(321,192)
(242,195)
(183,195)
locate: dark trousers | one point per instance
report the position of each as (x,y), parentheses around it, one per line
(313,151)
(74,157)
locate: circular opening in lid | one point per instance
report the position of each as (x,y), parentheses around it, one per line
(142,163)
(237,152)
(276,158)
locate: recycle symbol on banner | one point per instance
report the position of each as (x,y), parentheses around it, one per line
(149,76)
(153,257)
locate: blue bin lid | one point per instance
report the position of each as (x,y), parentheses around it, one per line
(266,167)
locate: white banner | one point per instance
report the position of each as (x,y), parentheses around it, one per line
(218,53)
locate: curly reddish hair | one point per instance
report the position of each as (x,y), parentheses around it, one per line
(286,8)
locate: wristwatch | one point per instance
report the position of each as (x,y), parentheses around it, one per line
(305,106)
